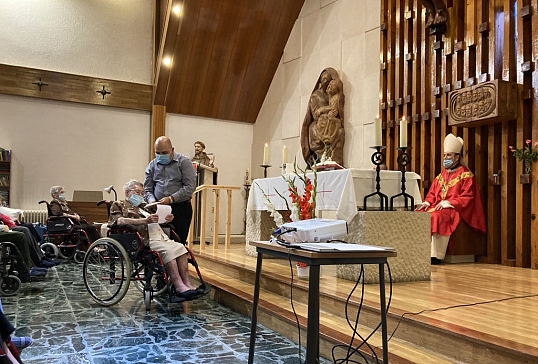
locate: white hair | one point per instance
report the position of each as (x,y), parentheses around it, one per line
(55,190)
(129,185)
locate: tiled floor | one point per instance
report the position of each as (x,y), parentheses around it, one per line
(67,326)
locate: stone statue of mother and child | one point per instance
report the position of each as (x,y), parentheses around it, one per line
(322,133)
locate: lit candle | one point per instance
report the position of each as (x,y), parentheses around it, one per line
(266,155)
(403,133)
(378,136)
(284,155)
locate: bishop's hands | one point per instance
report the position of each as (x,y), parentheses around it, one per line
(443,205)
(423,206)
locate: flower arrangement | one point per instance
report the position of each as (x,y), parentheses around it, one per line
(527,154)
(303,207)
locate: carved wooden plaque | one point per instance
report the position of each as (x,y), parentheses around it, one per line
(486,103)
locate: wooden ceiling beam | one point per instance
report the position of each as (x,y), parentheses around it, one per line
(50,85)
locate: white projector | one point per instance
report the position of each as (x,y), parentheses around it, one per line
(313,230)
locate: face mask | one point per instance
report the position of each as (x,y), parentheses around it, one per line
(162,158)
(62,196)
(448,163)
(135,199)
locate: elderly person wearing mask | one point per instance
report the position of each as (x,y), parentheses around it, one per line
(59,207)
(174,255)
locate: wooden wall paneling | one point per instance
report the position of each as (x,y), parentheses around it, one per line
(416,87)
(390,116)
(534,113)
(407,39)
(507,237)
(435,122)
(518,206)
(158,126)
(21,81)
(425,106)
(524,131)
(384,51)
(399,75)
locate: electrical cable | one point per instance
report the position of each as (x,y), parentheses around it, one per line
(458,306)
(364,340)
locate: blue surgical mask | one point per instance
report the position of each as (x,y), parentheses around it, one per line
(162,158)
(448,163)
(62,196)
(135,199)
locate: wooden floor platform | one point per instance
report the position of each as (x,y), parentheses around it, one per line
(467,313)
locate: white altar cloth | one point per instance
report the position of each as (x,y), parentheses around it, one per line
(335,192)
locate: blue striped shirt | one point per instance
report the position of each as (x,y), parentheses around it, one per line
(176,179)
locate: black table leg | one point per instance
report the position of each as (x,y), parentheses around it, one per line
(255,309)
(312,331)
(383,314)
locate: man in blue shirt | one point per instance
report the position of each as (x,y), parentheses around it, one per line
(171,180)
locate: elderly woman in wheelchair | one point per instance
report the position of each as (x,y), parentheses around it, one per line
(157,250)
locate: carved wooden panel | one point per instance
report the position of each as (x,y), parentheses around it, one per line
(486,103)
(487,58)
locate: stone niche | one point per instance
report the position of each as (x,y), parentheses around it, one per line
(486,103)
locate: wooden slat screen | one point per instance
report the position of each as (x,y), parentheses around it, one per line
(484,40)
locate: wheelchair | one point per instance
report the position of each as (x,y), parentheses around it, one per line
(111,263)
(63,239)
(10,283)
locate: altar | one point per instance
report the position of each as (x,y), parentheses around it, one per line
(341,192)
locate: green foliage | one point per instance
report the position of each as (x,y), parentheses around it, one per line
(527,154)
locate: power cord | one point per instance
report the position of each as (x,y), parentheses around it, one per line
(457,306)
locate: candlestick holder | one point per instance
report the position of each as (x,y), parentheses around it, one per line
(378,158)
(403,160)
(265,166)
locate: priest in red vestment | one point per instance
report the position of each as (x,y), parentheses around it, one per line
(453,196)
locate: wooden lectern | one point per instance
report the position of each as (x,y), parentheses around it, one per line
(205,175)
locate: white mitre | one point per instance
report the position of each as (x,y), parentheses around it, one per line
(453,144)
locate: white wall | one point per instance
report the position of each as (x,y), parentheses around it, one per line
(230,142)
(83,147)
(99,38)
(344,35)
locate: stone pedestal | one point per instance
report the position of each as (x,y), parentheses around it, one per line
(407,232)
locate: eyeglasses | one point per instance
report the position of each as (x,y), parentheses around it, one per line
(138,192)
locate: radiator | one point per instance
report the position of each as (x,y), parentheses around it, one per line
(31,216)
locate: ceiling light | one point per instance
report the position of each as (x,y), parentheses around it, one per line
(176,9)
(167,61)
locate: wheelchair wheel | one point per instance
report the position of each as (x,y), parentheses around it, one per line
(50,250)
(159,279)
(147,299)
(66,251)
(79,256)
(9,285)
(106,271)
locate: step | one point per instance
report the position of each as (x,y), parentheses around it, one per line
(275,312)
(415,340)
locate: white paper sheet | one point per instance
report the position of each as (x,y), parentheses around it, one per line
(163,211)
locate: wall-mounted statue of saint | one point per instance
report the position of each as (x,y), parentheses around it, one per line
(323,125)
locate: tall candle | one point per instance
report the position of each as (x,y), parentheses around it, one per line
(284,155)
(403,133)
(266,155)
(378,133)
(247,177)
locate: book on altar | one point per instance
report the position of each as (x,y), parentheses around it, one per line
(328,166)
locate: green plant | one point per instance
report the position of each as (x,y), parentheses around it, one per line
(527,154)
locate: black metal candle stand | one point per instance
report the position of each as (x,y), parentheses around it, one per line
(403,160)
(265,166)
(378,158)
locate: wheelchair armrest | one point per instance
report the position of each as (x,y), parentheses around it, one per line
(114,229)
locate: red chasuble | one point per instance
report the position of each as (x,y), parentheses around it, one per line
(461,190)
